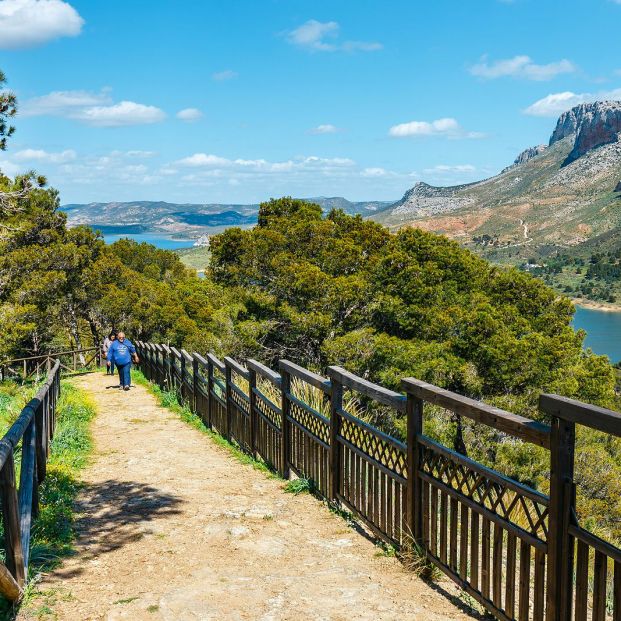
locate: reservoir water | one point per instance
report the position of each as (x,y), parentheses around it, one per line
(161,241)
(603,330)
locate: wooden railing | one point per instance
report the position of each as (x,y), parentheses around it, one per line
(31,435)
(520,553)
(71,361)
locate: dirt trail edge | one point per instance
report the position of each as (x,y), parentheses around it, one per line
(171,526)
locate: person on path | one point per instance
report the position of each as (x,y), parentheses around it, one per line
(104,349)
(121,353)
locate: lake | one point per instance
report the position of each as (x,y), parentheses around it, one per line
(603,331)
(161,241)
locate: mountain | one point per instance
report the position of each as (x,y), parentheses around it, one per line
(553,197)
(338,202)
(186,220)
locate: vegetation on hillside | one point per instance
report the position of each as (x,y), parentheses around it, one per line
(594,277)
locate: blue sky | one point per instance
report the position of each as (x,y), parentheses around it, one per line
(205,101)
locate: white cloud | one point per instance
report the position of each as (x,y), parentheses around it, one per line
(227,74)
(323,37)
(136,153)
(190,114)
(94,109)
(121,114)
(324,129)
(26,23)
(556,103)
(447,127)
(376,172)
(63,103)
(218,163)
(521,67)
(39,155)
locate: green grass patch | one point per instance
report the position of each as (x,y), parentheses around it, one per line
(53,532)
(299,486)
(13,397)
(171,401)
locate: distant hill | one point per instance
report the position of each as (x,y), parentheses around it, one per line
(558,196)
(188,220)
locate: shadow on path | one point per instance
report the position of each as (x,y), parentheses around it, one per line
(115,513)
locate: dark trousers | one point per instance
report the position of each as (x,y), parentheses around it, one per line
(110,369)
(124,373)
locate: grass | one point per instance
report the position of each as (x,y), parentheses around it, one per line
(53,532)
(195,258)
(299,486)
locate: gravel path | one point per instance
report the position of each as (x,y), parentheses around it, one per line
(172,527)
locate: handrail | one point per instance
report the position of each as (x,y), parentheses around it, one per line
(35,427)
(375,391)
(519,426)
(52,355)
(238,368)
(314,379)
(585,414)
(264,372)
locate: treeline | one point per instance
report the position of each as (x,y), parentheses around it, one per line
(320,290)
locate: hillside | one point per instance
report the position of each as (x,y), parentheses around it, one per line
(187,220)
(553,198)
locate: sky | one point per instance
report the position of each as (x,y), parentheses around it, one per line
(240,101)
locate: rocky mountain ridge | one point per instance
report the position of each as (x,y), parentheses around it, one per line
(559,195)
(594,124)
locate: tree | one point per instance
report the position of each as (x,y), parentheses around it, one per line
(8,109)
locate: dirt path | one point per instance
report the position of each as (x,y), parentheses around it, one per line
(173,527)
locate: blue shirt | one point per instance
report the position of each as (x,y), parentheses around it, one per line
(120,353)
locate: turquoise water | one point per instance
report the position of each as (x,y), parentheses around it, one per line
(603,331)
(161,241)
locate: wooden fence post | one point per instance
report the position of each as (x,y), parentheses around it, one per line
(194,385)
(414,519)
(166,366)
(209,390)
(10,518)
(336,404)
(285,435)
(560,544)
(183,389)
(252,384)
(229,399)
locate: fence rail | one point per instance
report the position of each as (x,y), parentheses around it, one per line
(71,361)
(31,435)
(521,554)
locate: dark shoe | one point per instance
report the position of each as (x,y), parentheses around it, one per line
(125,387)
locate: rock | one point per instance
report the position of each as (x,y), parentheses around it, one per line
(425,200)
(529,153)
(525,156)
(594,124)
(618,188)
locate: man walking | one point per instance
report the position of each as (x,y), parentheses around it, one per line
(121,352)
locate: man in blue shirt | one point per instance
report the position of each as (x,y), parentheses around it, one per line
(121,352)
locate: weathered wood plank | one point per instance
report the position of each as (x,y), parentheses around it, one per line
(518,426)
(374,391)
